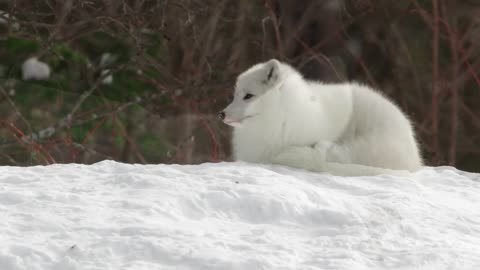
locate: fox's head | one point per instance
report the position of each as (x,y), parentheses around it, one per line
(251,89)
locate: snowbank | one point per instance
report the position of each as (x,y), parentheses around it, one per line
(235,216)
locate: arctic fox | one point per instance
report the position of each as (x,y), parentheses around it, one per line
(343,129)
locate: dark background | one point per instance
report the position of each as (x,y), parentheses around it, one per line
(174,64)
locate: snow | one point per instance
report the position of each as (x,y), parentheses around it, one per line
(6,18)
(235,216)
(34,69)
(105,60)
(107,76)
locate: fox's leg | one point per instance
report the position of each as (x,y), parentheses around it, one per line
(314,157)
(371,151)
(298,157)
(306,157)
(334,152)
(337,159)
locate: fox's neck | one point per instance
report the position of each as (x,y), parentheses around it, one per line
(279,126)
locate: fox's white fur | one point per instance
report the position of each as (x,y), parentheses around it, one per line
(344,129)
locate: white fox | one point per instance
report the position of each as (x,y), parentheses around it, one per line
(343,129)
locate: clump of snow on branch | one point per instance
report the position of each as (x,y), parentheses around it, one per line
(8,19)
(106,74)
(33,69)
(107,77)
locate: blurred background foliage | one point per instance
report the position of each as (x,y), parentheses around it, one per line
(141,81)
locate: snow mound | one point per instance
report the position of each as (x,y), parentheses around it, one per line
(235,216)
(33,69)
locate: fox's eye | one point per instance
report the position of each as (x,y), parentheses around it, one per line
(248,96)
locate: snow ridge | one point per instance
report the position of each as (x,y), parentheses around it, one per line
(235,216)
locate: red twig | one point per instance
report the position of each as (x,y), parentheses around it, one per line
(210,131)
(317,56)
(454,43)
(186,151)
(276,28)
(30,144)
(68,141)
(113,135)
(89,112)
(97,126)
(193,108)
(437,20)
(472,71)
(130,140)
(435,78)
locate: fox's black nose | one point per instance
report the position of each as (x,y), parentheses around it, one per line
(221,115)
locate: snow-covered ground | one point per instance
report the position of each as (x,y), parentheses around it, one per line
(235,216)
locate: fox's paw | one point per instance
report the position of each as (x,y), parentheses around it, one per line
(322,148)
(332,152)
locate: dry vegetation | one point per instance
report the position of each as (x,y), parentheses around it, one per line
(174,63)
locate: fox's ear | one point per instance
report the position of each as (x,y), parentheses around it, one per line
(272,72)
